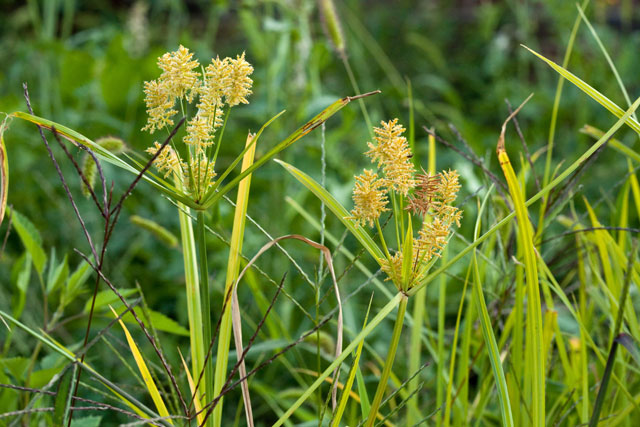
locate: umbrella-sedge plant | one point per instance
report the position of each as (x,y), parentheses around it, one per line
(201,97)
(413,200)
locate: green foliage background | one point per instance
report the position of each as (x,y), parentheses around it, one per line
(85,63)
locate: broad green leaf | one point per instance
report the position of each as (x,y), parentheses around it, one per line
(17,366)
(42,377)
(22,274)
(76,281)
(106,297)
(30,238)
(159,321)
(57,275)
(144,371)
(593,93)
(92,421)
(358,232)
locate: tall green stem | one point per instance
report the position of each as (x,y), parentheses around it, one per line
(205,302)
(194,309)
(388,364)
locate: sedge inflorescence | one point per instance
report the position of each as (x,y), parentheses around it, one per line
(421,197)
(213,90)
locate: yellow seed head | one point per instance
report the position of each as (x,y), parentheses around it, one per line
(178,75)
(159,106)
(199,133)
(393,154)
(432,238)
(167,161)
(393,269)
(217,80)
(239,85)
(369,198)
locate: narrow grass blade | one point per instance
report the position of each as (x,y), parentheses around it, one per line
(617,145)
(358,232)
(540,194)
(232,317)
(536,373)
(593,93)
(352,374)
(4,171)
(365,403)
(192,387)
(125,397)
(144,371)
(62,404)
(487,331)
(630,344)
(382,314)
(302,131)
(388,364)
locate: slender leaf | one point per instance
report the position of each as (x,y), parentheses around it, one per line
(358,231)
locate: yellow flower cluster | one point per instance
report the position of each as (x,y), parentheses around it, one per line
(223,84)
(428,196)
(370,200)
(392,153)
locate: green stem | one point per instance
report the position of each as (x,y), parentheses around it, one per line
(388,364)
(205,300)
(194,308)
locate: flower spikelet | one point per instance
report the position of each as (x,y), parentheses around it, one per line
(368,197)
(394,155)
(199,133)
(393,268)
(424,193)
(217,79)
(159,106)
(239,85)
(177,73)
(167,161)
(432,238)
(447,192)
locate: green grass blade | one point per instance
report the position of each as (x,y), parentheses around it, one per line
(315,122)
(62,404)
(4,171)
(531,200)
(593,93)
(358,231)
(233,268)
(487,331)
(535,373)
(352,374)
(382,314)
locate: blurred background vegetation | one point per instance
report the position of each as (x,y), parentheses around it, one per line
(85,64)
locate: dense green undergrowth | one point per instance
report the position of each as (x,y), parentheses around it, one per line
(529,316)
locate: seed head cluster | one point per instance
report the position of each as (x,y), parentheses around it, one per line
(223,84)
(428,197)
